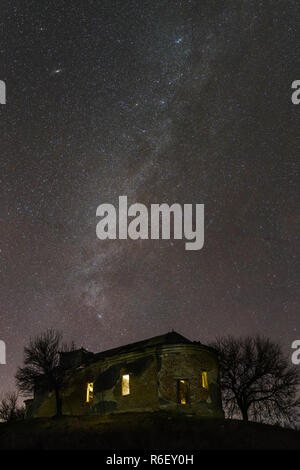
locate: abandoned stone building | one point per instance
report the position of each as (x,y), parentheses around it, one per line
(167,372)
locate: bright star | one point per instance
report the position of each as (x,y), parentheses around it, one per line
(56,71)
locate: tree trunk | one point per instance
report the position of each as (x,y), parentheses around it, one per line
(245,414)
(58,403)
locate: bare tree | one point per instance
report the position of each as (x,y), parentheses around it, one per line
(9,408)
(256,380)
(42,371)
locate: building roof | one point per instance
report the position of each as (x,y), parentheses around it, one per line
(86,357)
(168,338)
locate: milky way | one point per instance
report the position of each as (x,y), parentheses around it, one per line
(162,101)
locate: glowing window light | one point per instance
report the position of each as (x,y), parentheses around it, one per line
(204,380)
(125,385)
(89,392)
(183,388)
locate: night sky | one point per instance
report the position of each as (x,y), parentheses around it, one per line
(164,102)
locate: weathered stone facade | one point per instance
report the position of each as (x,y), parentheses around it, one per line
(167,372)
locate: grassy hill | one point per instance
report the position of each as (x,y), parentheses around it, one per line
(144,431)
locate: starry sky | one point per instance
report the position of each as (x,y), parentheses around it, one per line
(164,101)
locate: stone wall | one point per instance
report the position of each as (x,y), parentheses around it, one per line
(188,362)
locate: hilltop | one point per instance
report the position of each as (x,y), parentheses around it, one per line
(159,430)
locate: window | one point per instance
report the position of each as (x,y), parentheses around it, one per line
(125,385)
(183,391)
(89,392)
(204,380)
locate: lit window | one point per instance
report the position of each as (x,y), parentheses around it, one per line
(89,392)
(204,380)
(125,384)
(183,392)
